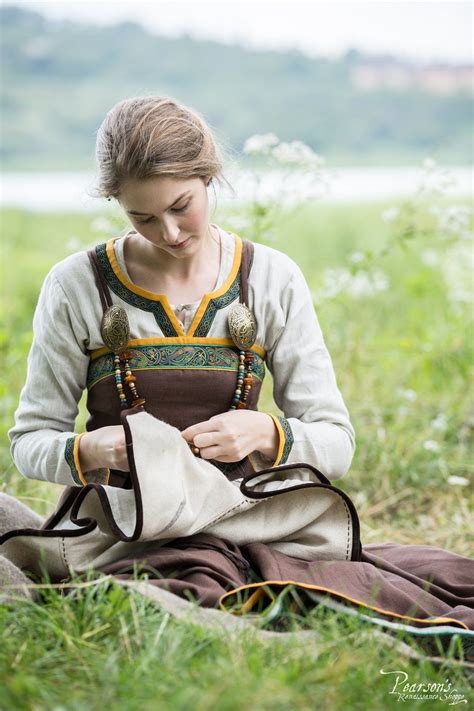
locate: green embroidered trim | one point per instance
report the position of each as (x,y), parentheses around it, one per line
(214,305)
(156,307)
(289,439)
(140,302)
(219,303)
(175,356)
(69,457)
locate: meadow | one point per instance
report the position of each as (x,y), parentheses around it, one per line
(392,289)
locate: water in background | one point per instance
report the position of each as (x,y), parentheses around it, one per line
(71,191)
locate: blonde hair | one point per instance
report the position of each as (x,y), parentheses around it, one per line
(145,136)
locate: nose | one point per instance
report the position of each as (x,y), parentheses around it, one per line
(171,232)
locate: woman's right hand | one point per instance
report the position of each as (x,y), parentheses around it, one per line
(103,448)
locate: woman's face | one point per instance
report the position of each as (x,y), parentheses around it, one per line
(171,213)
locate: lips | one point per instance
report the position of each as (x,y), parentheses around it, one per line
(180,245)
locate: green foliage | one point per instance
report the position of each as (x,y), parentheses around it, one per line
(103,647)
(60,79)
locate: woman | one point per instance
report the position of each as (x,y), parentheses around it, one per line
(170,329)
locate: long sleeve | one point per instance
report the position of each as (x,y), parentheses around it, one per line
(315,428)
(44,444)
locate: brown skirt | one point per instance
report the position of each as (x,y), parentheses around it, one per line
(416,584)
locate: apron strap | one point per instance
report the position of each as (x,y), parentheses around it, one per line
(245,266)
(104,292)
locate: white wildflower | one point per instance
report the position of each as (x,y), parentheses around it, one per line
(431,445)
(360,498)
(364,283)
(457,272)
(356,257)
(440,422)
(434,179)
(380,281)
(430,258)
(455,220)
(390,214)
(458,480)
(297,153)
(408,394)
(260,143)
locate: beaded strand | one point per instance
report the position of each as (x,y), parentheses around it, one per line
(244,381)
(239,401)
(130,379)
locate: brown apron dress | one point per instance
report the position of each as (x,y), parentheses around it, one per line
(417,585)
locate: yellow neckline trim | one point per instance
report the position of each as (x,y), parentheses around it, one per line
(257,587)
(177,340)
(163,298)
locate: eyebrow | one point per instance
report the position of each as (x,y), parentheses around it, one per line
(133,212)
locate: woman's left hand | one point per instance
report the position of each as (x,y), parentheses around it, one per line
(230,436)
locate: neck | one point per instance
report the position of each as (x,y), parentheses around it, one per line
(185,269)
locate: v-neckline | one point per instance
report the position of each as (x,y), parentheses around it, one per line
(148,300)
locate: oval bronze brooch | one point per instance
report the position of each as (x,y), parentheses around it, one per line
(242,326)
(115,329)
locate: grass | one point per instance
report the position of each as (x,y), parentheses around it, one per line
(402,357)
(103,647)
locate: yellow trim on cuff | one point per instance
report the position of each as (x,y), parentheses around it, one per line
(282,439)
(76,458)
(256,586)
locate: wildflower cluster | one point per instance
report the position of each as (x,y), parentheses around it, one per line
(295,153)
(274,163)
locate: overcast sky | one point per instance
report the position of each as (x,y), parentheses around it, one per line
(416,29)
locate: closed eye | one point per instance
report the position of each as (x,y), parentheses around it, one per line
(174,209)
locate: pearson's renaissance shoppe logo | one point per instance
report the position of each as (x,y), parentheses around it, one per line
(406,690)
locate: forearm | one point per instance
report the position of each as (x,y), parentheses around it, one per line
(327,446)
(324,445)
(47,455)
(87,453)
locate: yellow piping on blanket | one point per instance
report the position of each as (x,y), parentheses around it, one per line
(253,598)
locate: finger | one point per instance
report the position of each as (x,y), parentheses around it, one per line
(217,454)
(190,432)
(207,439)
(211,452)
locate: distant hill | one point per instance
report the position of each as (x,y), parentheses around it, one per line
(59,78)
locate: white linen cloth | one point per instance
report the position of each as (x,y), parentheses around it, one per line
(178,495)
